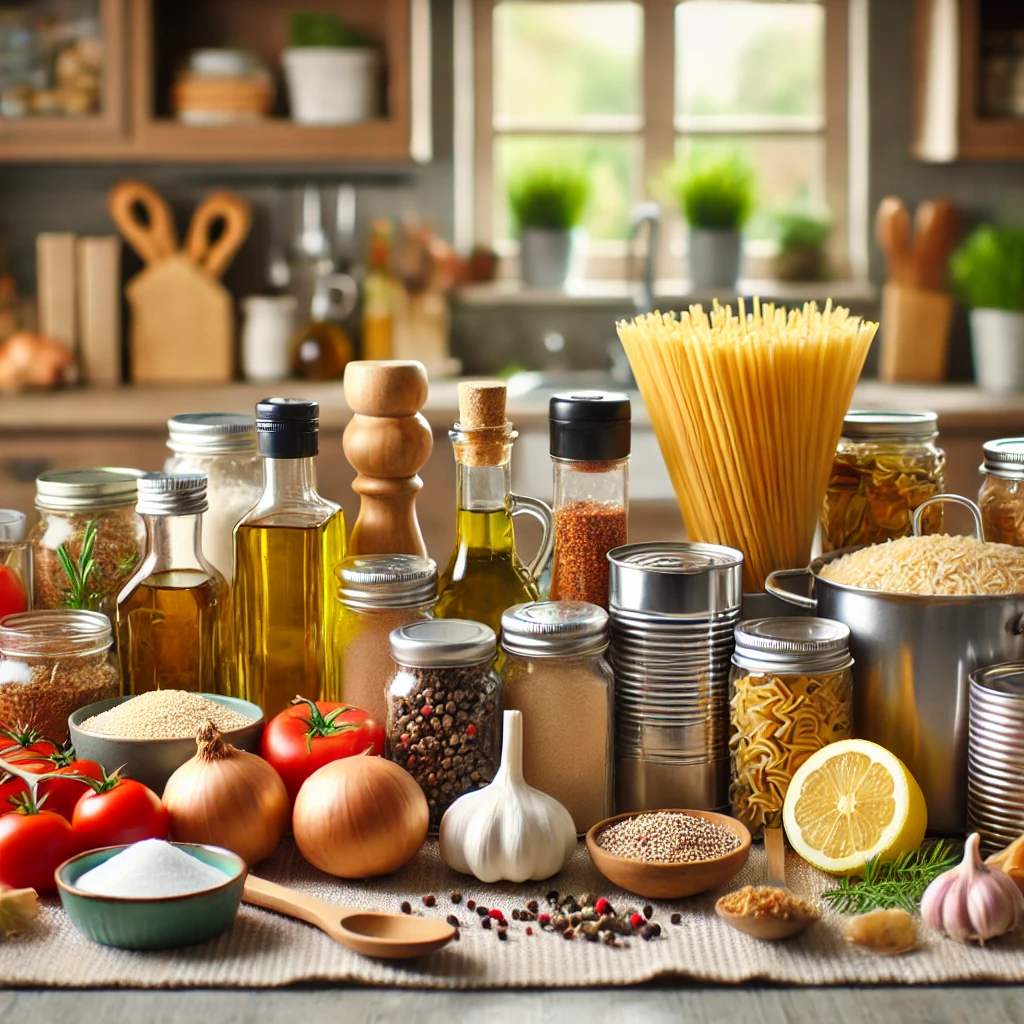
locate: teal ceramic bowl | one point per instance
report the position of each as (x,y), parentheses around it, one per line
(167,922)
(153,762)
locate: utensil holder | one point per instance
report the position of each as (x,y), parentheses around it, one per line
(915,334)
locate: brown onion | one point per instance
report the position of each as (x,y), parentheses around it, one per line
(227,797)
(360,816)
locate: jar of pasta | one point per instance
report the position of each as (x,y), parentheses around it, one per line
(886,464)
(1001,498)
(790,694)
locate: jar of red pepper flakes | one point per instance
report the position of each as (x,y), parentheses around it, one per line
(590,441)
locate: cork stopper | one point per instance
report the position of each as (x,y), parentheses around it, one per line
(481,404)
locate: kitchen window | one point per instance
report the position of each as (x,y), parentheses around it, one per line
(623,88)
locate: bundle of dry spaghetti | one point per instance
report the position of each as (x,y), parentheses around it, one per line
(748,409)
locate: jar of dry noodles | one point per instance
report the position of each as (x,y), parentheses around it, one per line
(1001,498)
(886,464)
(790,694)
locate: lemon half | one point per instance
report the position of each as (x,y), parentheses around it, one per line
(850,802)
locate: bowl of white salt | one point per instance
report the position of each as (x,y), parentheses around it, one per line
(152,894)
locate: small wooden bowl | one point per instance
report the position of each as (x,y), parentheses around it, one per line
(674,880)
(770,928)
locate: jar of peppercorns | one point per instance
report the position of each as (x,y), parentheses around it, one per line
(444,708)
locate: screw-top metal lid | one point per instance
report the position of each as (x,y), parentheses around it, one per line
(553,629)
(387,581)
(1004,457)
(287,428)
(878,425)
(436,643)
(12,525)
(211,433)
(75,490)
(792,644)
(172,494)
(589,426)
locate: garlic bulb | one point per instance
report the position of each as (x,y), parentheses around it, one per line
(507,831)
(972,902)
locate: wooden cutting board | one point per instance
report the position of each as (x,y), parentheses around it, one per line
(182,323)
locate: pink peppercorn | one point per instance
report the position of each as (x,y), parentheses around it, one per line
(602,906)
(543,919)
(637,920)
(497,915)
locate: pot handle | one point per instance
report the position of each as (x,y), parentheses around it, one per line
(800,600)
(979,529)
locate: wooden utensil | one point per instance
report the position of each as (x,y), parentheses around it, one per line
(892,231)
(220,207)
(153,237)
(935,234)
(387,936)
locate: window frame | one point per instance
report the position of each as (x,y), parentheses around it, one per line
(658,127)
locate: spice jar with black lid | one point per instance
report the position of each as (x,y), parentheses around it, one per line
(1001,498)
(444,708)
(590,441)
(555,673)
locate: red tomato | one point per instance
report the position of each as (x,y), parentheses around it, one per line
(307,736)
(120,811)
(62,795)
(11,787)
(13,597)
(33,844)
(22,739)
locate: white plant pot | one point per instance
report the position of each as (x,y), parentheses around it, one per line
(333,85)
(545,257)
(997,342)
(714,258)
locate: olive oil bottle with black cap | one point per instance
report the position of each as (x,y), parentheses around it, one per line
(286,549)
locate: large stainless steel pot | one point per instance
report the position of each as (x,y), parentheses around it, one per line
(912,656)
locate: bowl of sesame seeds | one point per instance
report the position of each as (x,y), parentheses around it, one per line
(670,853)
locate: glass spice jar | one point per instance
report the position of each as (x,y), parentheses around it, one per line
(556,674)
(51,664)
(590,441)
(378,594)
(1001,498)
(790,694)
(88,540)
(223,446)
(443,718)
(886,464)
(15,564)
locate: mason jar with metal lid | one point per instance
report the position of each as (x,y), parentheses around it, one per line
(223,446)
(556,674)
(1001,497)
(89,539)
(790,694)
(378,593)
(886,464)
(444,708)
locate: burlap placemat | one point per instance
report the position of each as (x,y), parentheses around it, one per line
(263,949)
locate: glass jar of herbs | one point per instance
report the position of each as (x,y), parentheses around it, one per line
(1001,498)
(89,539)
(886,464)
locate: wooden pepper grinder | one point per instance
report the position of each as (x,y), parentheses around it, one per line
(387,442)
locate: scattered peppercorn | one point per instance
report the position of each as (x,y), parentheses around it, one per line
(471,904)
(496,914)
(406,907)
(485,923)
(656,928)
(452,920)
(531,906)
(602,906)
(502,934)
(647,933)
(552,897)
(529,931)
(648,911)
(636,920)
(543,919)
(515,914)
(429,900)
(676,918)
(456,897)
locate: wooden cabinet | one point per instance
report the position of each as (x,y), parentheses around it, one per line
(145,41)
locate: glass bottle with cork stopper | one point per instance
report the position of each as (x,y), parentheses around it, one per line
(485,575)
(286,550)
(590,441)
(171,615)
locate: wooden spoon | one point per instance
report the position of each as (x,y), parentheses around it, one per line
(370,932)
(893,233)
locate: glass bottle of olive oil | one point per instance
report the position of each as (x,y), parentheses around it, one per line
(173,613)
(286,550)
(485,575)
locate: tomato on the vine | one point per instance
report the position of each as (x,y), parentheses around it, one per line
(33,844)
(307,736)
(18,740)
(117,812)
(59,795)
(13,594)
(11,787)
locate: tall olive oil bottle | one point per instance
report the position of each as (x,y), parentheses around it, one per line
(485,575)
(286,549)
(173,614)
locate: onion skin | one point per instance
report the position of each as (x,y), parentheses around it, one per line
(359,817)
(227,797)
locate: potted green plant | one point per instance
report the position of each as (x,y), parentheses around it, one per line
(547,204)
(333,72)
(716,194)
(988,271)
(802,236)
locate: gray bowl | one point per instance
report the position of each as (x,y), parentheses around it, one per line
(153,762)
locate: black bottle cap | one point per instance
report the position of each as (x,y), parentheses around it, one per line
(287,428)
(589,426)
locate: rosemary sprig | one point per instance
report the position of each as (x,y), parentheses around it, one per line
(80,573)
(898,884)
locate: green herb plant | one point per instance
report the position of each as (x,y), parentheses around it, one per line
(309,28)
(80,572)
(988,268)
(899,884)
(715,191)
(799,230)
(548,197)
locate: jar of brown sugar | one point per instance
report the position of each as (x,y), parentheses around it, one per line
(556,674)
(378,593)
(51,664)
(590,439)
